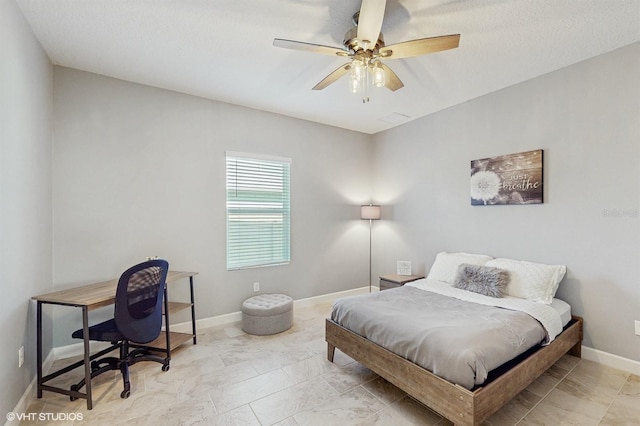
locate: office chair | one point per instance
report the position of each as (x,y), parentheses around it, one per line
(137,320)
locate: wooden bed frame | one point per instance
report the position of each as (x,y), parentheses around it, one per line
(454,402)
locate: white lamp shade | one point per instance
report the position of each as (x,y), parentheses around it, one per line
(370,212)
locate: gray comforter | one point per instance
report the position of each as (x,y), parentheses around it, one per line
(457,340)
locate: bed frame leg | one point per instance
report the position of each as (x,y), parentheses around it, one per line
(331,350)
(576,350)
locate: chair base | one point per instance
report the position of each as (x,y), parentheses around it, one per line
(102,365)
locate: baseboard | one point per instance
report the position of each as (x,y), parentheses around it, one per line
(185,327)
(611,360)
(30,392)
(325,298)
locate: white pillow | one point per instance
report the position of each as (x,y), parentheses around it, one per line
(533,281)
(446,265)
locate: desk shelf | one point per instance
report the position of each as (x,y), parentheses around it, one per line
(177,307)
(176,339)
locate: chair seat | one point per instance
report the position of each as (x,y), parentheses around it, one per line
(103,332)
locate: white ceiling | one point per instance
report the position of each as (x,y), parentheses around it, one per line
(222,49)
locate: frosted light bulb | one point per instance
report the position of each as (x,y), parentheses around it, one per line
(378,76)
(357,69)
(354,85)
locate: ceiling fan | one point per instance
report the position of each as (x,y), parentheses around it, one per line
(364,46)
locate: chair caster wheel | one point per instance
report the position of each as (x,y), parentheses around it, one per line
(165,367)
(73,388)
(125,394)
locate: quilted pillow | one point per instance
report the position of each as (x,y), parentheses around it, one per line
(446,265)
(533,281)
(482,279)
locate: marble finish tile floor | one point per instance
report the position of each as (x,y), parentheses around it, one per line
(232,378)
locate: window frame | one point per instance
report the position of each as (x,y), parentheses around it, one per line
(271,215)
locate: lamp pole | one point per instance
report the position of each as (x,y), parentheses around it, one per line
(369,255)
(370,212)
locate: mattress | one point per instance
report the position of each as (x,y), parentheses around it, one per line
(563,309)
(459,340)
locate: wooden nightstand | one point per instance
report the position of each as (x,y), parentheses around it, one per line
(394,280)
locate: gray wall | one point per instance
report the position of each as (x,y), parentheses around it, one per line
(140,171)
(26,77)
(587,120)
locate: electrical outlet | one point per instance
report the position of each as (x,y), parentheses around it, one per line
(256,287)
(637,327)
(20,356)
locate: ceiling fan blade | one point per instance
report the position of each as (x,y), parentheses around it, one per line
(370,22)
(392,82)
(309,47)
(333,77)
(420,46)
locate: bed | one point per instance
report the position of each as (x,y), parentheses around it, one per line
(462,353)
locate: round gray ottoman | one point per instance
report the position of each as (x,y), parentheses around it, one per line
(267,314)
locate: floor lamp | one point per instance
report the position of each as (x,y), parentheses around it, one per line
(370,213)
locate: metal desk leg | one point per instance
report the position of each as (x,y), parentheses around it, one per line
(87,360)
(193,310)
(39,346)
(166,324)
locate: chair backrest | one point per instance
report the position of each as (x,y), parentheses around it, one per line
(138,308)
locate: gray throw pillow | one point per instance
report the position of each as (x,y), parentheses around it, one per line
(482,279)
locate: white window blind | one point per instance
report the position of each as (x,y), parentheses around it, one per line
(258,211)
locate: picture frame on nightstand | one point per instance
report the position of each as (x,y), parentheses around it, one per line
(403,267)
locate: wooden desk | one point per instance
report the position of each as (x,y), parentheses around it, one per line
(93,296)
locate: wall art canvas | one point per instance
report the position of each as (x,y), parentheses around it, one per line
(507,179)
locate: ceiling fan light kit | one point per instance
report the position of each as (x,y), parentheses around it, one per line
(364,74)
(366,69)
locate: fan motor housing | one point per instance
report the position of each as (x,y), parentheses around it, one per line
(352,42)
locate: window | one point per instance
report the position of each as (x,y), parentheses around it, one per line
(258,211)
